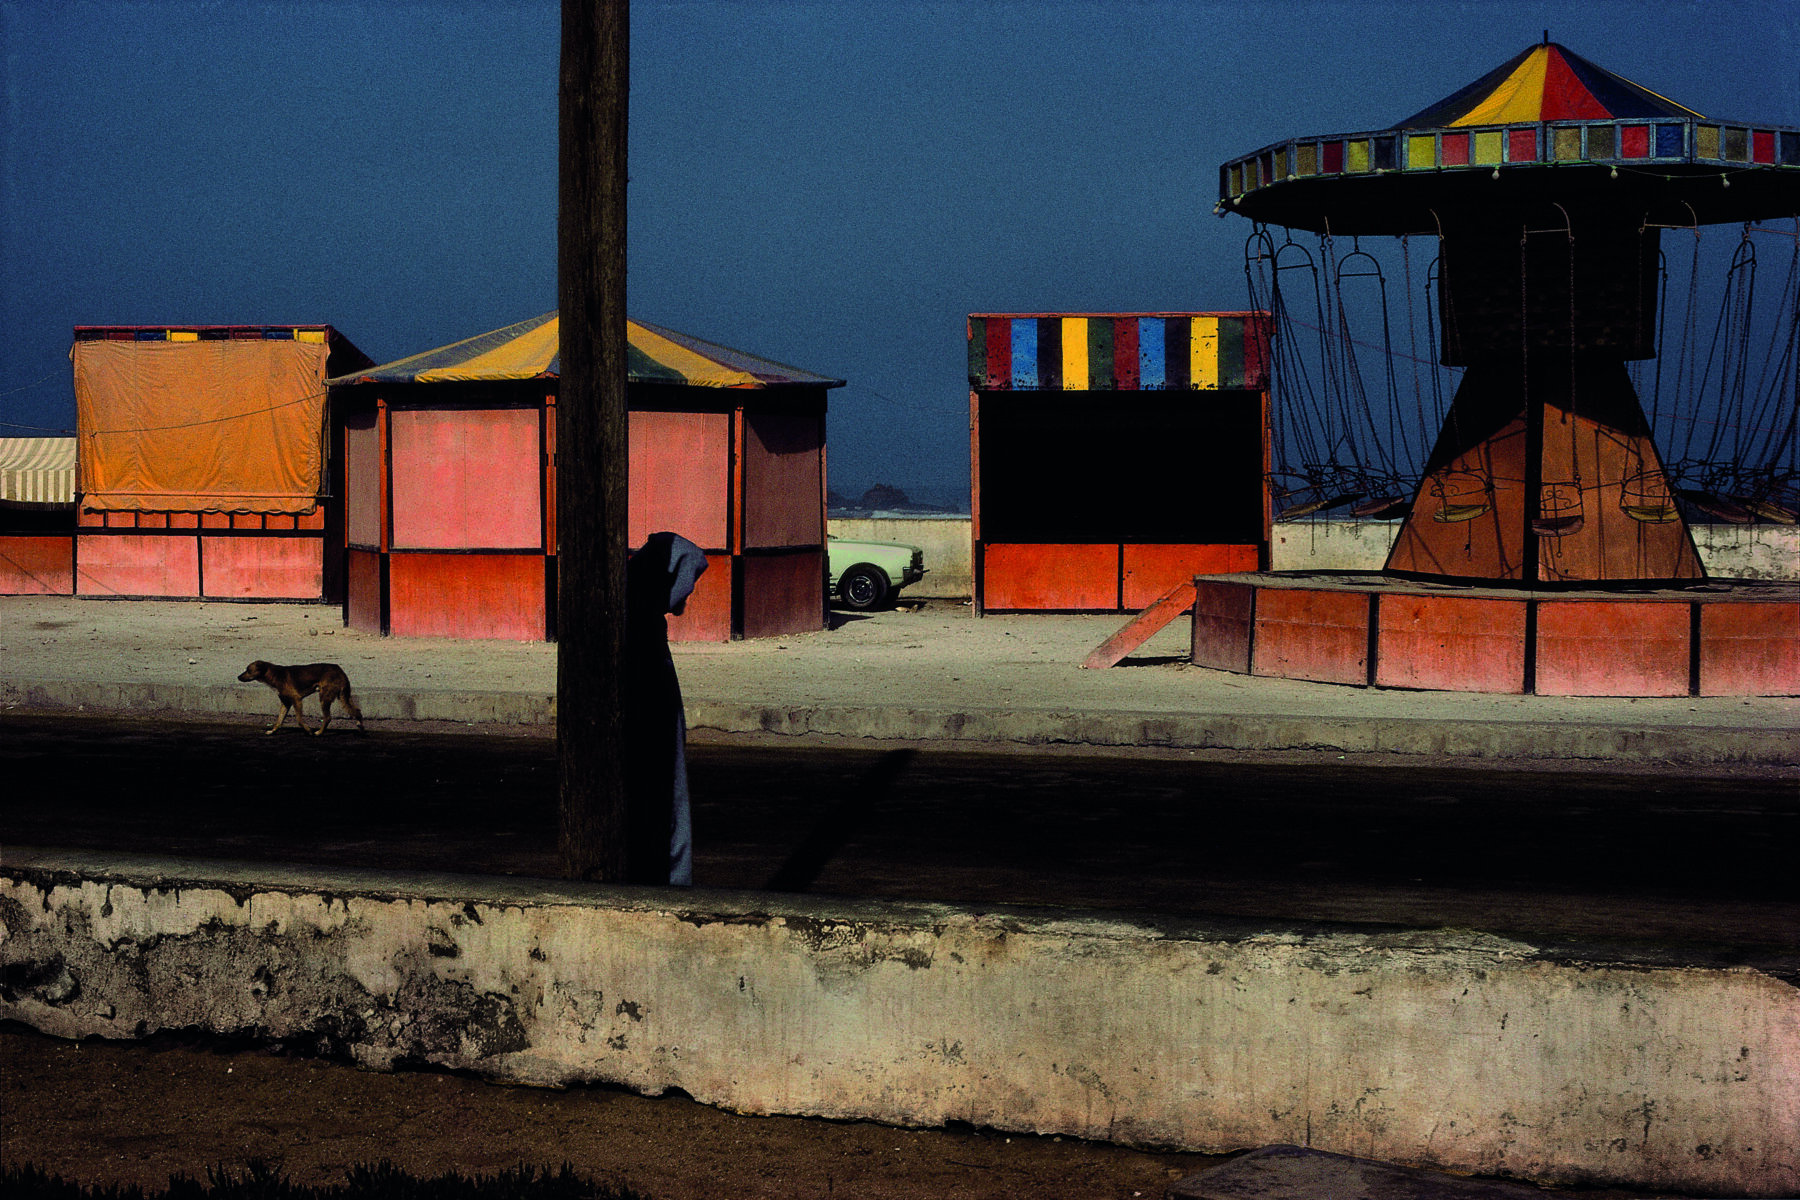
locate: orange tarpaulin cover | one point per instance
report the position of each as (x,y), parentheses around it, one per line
(206,426)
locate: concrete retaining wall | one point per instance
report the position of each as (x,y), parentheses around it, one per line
(949,573)
(1450,1049)
(1726,551)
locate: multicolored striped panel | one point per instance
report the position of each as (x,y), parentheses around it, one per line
(1118,352)
(317,334)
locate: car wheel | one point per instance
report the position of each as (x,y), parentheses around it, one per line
(863,587)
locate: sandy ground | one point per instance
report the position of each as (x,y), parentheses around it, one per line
(935,655)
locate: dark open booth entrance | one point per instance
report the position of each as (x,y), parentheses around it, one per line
(1114,456)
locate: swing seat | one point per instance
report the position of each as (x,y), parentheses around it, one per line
(1382,508)
(1558,526)
(1718,506)
(1768,509)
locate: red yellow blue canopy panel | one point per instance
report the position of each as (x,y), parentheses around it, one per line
(531,349)
(1545,125)
(1546,83)
(1118,352)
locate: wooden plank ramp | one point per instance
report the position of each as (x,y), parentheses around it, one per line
(1141,628)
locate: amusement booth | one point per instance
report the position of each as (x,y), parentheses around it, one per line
(201,462)
(450,489)
(1114,456)
(37,516)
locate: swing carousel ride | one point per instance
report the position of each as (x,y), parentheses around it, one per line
(1533,204)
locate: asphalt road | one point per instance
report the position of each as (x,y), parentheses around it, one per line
(1646,856)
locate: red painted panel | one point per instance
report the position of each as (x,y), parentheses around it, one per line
(37,566)
(1222,622)
(680,477)
(1750,649)
(364,591)
(1762,146)
(150,564)
(362,480)
(184,520)
(121,520)
(999,354)
(153,520)
(1150,571)
(278,521)
(215,520)
(707,617)
(285,568)
(1317,635)
(467,596)
(1125,355)
(1050,577)
(467,479)
(783,594)
(311,520)
(1451,643)
(92,520)
(783,500)
(1612,648)
(1521,145)
(1634,141)
(243,521)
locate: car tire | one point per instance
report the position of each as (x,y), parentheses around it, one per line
(863,587)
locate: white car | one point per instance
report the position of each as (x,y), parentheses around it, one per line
(866,575)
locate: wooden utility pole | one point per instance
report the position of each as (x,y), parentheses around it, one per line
(591,437)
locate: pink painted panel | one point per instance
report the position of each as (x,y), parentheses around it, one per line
(1066,576)
(784,593)
(1451,643)
(1612,648)
(467,596)
(284,568)
(1151,570)
(467,479)
(364,591)
(37,566)
(784,502)
(680,477)
(1222,623)
(1750,649)
(707,615)
(145,564)
(362,481)
(1317,635)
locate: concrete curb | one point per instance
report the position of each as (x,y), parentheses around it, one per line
(1472,739)
(1541,740)
(1450,1049)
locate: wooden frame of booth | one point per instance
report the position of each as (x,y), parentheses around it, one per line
(450,498)
(195,554)
(1114,456)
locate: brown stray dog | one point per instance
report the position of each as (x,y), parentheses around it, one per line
(295,684)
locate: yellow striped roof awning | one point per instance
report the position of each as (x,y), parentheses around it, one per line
(532,350)
(38,471)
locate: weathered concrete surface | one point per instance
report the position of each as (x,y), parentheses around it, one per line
(1446,1049)
(1327,544)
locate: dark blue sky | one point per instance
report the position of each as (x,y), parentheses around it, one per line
(829,184)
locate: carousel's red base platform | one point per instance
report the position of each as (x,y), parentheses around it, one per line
(1719,637)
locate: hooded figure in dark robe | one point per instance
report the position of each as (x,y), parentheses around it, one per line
(659,578)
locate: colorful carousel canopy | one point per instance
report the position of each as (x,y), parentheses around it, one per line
(1544,126)
(530,350)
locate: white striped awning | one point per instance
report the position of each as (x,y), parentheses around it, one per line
(37,471)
